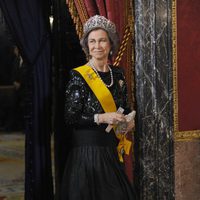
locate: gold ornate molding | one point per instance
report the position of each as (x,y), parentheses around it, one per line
(178,135)
(187,135)
(174,47)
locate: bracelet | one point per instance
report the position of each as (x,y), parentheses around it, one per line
(96,118)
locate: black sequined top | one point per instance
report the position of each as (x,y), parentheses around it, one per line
(81,104)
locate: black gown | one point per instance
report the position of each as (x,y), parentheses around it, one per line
(93,170)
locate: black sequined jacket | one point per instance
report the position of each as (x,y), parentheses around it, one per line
(81,104)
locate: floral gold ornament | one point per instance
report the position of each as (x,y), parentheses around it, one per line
(91,75)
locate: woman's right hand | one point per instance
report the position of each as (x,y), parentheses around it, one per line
(111,118)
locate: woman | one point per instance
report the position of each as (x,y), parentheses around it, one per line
(94,93)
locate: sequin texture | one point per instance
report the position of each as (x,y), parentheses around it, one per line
(81,104)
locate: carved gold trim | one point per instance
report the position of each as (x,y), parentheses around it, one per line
(187,135)
(178,135)
(174,47)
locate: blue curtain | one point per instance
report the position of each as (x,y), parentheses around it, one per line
(28,25)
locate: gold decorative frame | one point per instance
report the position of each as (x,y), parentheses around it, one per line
(178,135)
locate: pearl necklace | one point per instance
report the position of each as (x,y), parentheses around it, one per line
(111,74)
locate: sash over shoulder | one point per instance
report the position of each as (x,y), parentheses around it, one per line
(99,89)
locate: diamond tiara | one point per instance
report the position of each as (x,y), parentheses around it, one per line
(98,21)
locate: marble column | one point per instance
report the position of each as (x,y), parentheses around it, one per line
(153,77)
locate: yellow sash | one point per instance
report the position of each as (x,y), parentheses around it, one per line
(107,102)
(99,89)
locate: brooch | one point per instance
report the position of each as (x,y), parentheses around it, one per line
(90,75)
(121,83)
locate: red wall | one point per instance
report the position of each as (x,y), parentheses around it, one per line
(188,64)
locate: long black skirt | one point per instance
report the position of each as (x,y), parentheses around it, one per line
(94,172)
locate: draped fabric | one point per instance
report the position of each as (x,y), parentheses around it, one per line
(121,13)
(25,19)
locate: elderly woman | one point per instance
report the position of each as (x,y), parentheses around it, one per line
(96,106)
